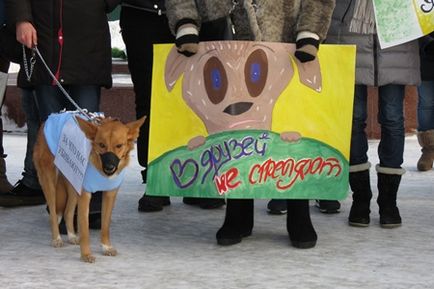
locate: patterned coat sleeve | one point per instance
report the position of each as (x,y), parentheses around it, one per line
(178,10)
(315,16)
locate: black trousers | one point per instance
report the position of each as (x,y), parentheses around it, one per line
(140,30)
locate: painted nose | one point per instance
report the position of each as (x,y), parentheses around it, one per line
(238,108)
(110,163)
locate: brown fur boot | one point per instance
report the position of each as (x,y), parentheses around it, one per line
(426,141)
(5,186)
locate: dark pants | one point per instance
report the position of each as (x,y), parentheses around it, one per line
(391,119)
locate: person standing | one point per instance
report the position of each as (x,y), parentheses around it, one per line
(275,21)
(79,56)
(143,24)
(26,191)
(390,70)
(425,107)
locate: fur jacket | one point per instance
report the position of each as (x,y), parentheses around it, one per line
(260,20)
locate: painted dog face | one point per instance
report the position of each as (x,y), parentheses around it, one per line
(233,85)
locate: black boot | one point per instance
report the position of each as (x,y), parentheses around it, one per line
(387,190)
(300,229)
(362,194)
(238,222)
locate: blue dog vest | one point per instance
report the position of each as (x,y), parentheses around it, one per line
(93,179)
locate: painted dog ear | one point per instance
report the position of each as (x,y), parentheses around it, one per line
(88,128)
(134,128)
(175,66)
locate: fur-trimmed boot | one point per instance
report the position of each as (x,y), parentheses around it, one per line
(299,225)
(388,184)
(361,187)
(426,141)
(238,222)
(5,186)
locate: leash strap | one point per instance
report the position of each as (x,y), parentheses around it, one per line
(79,109)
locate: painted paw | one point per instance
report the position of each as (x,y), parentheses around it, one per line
(109,251)
(57,243)
(290,136)
(196,142)
(89,258)
(73,239)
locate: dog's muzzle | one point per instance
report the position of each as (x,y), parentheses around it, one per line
(110,163)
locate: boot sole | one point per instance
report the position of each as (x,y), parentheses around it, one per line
(360,225)
(277,212)
(390,226)
(232,241)
(303,245)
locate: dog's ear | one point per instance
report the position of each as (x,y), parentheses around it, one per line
(134,128)
(88,128)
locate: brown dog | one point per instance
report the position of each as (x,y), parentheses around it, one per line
(111,143)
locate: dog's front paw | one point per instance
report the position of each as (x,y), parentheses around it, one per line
(290,136)
(109,250)
(57,243)
(88,258)
(73,239)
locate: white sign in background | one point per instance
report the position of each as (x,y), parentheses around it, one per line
(72,154)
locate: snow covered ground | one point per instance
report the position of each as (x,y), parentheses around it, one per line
(176,248)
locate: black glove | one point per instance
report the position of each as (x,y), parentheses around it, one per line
(187,37)
(306,49)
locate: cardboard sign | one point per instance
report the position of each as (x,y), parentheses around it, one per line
(400,21)
(72,154)
(246,120)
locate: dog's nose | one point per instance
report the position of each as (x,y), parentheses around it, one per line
(110,163)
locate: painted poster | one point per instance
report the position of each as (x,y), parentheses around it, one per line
(246,120)
(400,21)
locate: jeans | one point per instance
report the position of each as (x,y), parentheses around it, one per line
(28,103)
(425,106)
(51,100)
(391,120)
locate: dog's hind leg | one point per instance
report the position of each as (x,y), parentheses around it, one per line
(83,227)
(71,205)
(108,202)
(47,175)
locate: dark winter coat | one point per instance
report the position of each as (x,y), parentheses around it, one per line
(276,21)
(374,66)
(155,6)
(427,57)
(85,57)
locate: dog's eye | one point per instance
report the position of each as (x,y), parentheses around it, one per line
(216,81)
(255,72)
(101,145)
(118,146)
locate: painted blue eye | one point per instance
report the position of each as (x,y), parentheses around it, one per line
(216,79)
(255,72)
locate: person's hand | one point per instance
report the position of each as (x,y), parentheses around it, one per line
(187,39)
(26,34)
(306,49)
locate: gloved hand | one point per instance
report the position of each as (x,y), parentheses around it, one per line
(306,49)
(187,39)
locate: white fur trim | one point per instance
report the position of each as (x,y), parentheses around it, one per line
(186,30)
(390,171)
(360,167)
(307,34)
